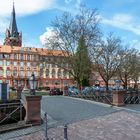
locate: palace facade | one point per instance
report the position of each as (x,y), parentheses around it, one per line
(17,63)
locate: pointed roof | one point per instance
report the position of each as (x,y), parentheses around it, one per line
(13,26)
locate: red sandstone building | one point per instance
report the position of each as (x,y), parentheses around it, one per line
(17,62)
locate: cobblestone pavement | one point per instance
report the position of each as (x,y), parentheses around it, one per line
(64,110)
(69,110)
(87,120)
(134,107)
(121,125)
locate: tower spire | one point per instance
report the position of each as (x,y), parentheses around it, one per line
(13,26)
(13,37)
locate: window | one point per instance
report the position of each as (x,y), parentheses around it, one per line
(22,64)
(41,83)
(15,82)
(65,74)
(22,73)
(59,73)
(28,73)
(47,83)
(47,73)
(12,56)
(8,73)
(28,64)
(41,72)
(53,73)
(7,63)
(47,65)
(28,57)
(56,82)
(15,56)
(21,56)
(65,83)
(15,73)
(41,64)
(53,65)
(8,81)
(15,63)
(1,56)
(32,57)
(5,55)
(1,63)
(37,58)
(34,64)
(35,73)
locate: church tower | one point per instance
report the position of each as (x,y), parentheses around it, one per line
(12,36)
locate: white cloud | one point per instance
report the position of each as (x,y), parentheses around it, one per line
(123,21)
(46,35)
(24,7)
(71,6)
(51,36)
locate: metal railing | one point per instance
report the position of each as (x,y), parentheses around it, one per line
(96,96)
(9,111)
(132,97)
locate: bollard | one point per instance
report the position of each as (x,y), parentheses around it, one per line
(65,132)
(46,130)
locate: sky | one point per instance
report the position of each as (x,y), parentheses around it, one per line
(34,18)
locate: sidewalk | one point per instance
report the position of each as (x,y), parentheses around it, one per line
(122,125)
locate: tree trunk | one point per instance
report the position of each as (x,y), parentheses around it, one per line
(106,83)
(78,83)
(135,85)
(125,83)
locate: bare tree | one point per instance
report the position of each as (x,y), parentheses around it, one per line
(129,67)
(106,57)
(136,68)
(72,31)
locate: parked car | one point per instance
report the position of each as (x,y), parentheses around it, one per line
(73,90)
(56,91)
(87,90)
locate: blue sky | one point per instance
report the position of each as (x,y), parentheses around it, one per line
(34,17)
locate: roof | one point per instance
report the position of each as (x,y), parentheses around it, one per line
(40,51)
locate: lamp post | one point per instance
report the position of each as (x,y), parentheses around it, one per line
(117,84)
(33,84)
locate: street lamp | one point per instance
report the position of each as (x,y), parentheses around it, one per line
(117,84)
(32,84)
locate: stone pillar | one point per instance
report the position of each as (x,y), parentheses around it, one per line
(33,109)
(118,98)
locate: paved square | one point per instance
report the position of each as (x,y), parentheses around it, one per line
(86,120)
(116,126)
